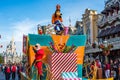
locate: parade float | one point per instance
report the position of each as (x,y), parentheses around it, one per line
(64,53)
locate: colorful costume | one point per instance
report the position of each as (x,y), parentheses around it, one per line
(57,15)
(38,57)
(40,31)
(58,28)
(57,19)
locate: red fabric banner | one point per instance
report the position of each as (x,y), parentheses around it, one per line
(24,44)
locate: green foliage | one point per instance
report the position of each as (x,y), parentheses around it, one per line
(1,59)
(105,48)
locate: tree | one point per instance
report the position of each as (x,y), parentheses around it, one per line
(1,59)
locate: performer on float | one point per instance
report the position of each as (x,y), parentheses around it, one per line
(57,15)
(40,31)
(57,20)
(39,54)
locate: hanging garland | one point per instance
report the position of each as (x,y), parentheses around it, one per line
(105,49)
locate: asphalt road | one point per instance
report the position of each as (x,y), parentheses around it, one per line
(2,76)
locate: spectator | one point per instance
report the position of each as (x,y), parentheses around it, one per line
(3,68)
(7,72)
(13,69)
(19,70)
(98,63)
(107,70)
(115,66)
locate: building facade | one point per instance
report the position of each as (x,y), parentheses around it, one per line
(10,55)
(109,26)
(108,29)
(79,28)
(89,19)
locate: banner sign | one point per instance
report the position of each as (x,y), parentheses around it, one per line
(24,44)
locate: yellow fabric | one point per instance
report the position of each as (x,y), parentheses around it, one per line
(60,39)
(56,18)
(31,55)
(102,79)
(80,54)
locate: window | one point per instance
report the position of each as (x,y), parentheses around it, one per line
(119,34)
(113,36)
(108,37)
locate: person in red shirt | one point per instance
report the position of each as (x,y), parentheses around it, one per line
(7,72)
(13,69)
(98,63)
(39,53)
(107,70)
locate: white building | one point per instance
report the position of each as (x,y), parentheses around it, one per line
(10,55)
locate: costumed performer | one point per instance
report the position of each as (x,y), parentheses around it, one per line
(57,15)
(57,19)
(39,54)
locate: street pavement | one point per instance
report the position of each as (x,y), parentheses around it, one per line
(2,76)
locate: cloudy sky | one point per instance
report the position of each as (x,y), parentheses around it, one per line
(18,17)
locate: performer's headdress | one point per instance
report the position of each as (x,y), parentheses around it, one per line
(57,7)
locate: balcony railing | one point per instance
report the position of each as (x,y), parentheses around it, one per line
(112,18)
(114,41)
(102,22)
(109,19)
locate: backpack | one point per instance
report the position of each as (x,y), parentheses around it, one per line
(13,68)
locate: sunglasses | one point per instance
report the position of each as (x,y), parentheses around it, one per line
(36,46)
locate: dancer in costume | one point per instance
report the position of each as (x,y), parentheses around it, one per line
(57,19)
(39,54)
